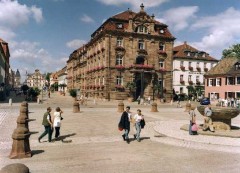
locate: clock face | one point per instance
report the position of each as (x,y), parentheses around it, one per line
(119,25)
(161,31)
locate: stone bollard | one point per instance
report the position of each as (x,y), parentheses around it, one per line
(15,168)
(22,122)
(24,112)
(154,107)
(20,147)
(25,108)
(76,107)
(188,107)
(10,102)
(120,106)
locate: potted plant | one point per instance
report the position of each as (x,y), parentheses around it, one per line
(33,93)
(73,93)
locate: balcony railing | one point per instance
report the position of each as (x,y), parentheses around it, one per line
(120,67)
(205,69)
(182,82)
(162,52)
(141,66)
(190,82)
(182,68)
(190,68)
(198,69)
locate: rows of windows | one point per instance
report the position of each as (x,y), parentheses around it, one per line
(190,78)
(190,64)
(141,44)
(228,81)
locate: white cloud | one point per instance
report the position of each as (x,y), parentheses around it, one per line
(13,14)
(179,18)
(75,44)
(87,19)
(135,4)
(37,14)
(25,53)
(222,31)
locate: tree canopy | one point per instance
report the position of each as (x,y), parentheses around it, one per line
(233,51)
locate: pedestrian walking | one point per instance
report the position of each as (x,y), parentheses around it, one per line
(178,102)
(149,100)
(207,119)
(125,124)
(139,100)
(57,117)
(48,93)
(192,118)
(138,118)
(47,123)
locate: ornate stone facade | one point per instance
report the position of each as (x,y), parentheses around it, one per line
(127,48)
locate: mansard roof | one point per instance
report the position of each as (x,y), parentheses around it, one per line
(140,18)
(182,50)
(224,67)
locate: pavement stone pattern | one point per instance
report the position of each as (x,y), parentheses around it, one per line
(97,145)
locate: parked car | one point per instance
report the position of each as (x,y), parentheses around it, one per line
(205,101)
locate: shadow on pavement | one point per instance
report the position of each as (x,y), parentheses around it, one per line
(62,138)
(35,152)
(33,133)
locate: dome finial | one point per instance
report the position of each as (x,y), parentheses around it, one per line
(142,7)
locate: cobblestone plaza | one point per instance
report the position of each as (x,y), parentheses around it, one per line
(97,146)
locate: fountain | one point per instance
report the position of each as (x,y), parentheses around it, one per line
(221,116)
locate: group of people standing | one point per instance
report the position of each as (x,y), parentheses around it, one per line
(126,119)
(51,123)
(207,125)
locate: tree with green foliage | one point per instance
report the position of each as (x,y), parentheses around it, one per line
(132,88)
(24,88)
(233,51)
(48,77)
(73,93)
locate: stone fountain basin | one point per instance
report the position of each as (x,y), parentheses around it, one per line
(221,113)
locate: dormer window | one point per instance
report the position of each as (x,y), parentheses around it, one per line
(119,25)
(237,66)
(161,31)
(188,54)
(203,55)
(161,46)
(142,29)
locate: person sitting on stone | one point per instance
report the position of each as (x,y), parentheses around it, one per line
(207,119)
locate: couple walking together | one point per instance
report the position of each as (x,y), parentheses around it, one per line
(125,120)
(50,122)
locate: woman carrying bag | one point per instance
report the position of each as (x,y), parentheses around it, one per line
(192,126)
(138,118)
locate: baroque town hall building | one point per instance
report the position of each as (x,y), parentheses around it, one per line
(128,47)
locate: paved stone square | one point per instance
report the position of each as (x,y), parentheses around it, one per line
(97,146)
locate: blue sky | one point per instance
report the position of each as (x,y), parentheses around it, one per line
(43,33)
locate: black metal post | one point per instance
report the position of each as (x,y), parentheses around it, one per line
(162,85)
(142,83)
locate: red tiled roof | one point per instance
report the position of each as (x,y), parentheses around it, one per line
(180,52)
(4,46)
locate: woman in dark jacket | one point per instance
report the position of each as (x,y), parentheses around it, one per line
(125,124)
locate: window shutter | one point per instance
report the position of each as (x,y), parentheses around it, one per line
(207,82)
(220,81)
(214,82)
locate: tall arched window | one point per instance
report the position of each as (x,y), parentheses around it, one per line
(141,44)
(119,60)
